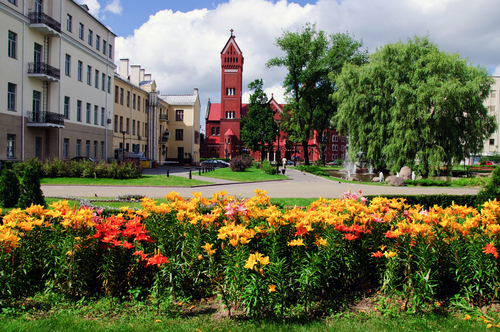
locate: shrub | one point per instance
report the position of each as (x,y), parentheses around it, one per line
(240,164)
(428,183)
(492,190)
(88,169)
(268,168)
(9,188)
(31,193)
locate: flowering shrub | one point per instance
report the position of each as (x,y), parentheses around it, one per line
(254,256)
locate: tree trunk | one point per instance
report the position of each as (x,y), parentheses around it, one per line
(306,152)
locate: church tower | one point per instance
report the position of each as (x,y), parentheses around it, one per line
(231,91)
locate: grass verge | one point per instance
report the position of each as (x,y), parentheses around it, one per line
(145,180)
(249,175)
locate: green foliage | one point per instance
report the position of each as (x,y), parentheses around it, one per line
(268,168)
(258,127)
(9,188)
(492,190)
(31,192)
(494,158)
(240,164)
(428,183)
(311,56)
(313,169)
(414,102)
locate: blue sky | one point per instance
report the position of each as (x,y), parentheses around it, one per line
(179,42)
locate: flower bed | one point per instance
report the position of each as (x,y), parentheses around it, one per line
(254,256)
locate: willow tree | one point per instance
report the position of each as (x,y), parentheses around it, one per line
(414,104)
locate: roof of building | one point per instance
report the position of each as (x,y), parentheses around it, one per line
(213,140)
(180,99)
(213,110)
(146,82)
(229,132)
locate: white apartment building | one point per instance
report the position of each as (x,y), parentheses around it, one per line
(57,78)
(492,103)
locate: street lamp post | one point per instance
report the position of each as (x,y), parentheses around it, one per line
(123,146)
(278,122)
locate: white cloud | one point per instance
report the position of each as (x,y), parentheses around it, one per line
(496,71)
(114,7)
(182,50)
(94,6)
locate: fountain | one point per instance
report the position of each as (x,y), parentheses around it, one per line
(361,169)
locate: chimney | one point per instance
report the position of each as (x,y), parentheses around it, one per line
(141,75)
(195,91)
(147,77)
(124,68)
(135,74)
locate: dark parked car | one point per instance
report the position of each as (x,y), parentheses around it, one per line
(84,159)
(215,162)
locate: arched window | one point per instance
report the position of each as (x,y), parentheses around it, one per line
(218,131)
(213,131)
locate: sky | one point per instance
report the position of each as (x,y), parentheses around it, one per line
(179,41)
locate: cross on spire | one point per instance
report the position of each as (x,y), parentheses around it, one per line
(231,32)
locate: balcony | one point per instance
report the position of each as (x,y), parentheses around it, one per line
(164,117)
(43,72)
(44,24)
(45,119)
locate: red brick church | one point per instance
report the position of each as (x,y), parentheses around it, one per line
(222,120)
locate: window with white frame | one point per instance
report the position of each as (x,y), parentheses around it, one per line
(96,115)
(69,23)
(90,37)
(81,31)
(12,48)
(80,70)
(11,144)
(66,107)
(66,148)
(11,96)
(79,110)
(67,65)
(89,75)
(97,42)
(87,114)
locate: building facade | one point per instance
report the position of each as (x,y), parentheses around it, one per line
(223,120)
(58,69)
(492,103)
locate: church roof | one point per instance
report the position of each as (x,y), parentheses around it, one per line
(232,42)
(229,132)
(213,111)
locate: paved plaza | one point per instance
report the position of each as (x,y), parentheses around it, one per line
(300,185)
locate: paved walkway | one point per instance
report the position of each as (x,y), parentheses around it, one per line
(300,185)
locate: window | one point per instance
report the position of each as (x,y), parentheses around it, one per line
(66,148)
(133,127)
(104,47)
(110,53)
(87,114)
(343,139)
(78,147)
(109,84)
(79,110)
(128,98)
(492,109)
(97,42)
(218,131)
(133,101)
(69,22)
(334,147)
(139,128)
(213,131)
(128,126)
(146,130)
(96,117)
(121,96)
(89,75)
(90,37)
(11,97)
(87,148)
(342,148)
(179,115)
(14,2)
(12,45)
(179,134)
(138,103)
(116,94)
(492,141)
(121,124)
(66,107)
(95,149)
(80,31)
(11,143)
(335,138)
(116,124)
(103,82)
(102,149)
(80,69)
(67,65)
(493,94)
(103,110)
(96,79)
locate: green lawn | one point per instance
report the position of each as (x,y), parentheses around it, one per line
(145,180)
(249,175)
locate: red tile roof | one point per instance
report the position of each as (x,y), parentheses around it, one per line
(214,112)
(229,132)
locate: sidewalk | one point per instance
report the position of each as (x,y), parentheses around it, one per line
(300,185)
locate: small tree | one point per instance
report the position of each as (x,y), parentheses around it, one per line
(9,188)
(31,193)
(492,190)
